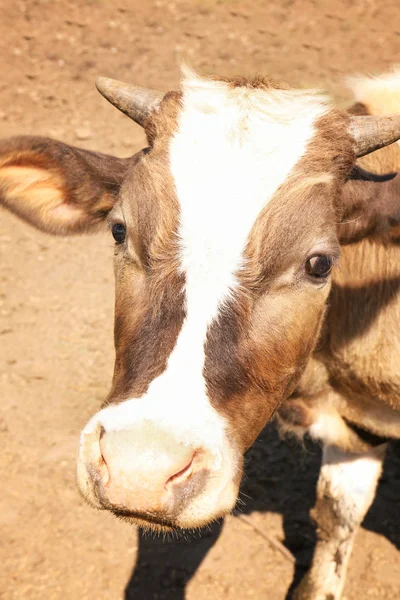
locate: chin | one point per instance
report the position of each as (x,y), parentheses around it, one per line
(196,516)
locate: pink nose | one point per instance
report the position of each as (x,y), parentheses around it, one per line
(142,469)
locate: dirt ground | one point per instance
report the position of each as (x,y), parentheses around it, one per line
(56,303)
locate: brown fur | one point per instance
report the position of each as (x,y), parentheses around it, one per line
(360,349)
(256,83)
(149,309)
(370,208)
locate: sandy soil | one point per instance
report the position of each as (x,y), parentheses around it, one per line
(56,303)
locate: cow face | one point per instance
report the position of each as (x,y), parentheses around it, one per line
(225,238)
(225,235)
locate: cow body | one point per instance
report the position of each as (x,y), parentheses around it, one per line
(361,345)
(350,389)
(227,228)
(355,366)
(351,386)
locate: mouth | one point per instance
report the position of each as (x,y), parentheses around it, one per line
(150,523)
(147,522)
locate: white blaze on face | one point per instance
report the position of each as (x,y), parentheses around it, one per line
(232,149)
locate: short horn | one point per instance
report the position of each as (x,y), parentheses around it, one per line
(372,133)
(135,102)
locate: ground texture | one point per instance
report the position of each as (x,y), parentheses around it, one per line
(56,303)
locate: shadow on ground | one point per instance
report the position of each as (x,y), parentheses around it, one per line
(280,477)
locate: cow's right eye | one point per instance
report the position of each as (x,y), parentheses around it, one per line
(119,232)
(319,266)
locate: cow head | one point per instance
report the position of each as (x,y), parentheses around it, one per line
(226,229)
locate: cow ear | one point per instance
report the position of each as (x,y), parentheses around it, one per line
(370,208)
(58,188)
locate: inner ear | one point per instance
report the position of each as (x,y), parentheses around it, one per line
(42,196)
(58,188)
(39,192)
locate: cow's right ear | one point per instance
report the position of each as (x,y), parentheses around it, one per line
(58,188)
(370,206)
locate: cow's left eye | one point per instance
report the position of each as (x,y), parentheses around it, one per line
(119,232)
(319,266)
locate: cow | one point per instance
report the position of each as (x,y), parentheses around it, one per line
(257,275)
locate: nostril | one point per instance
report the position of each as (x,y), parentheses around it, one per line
(103,469)
(102,462)
(183,473)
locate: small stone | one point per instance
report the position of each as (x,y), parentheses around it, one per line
(83,133)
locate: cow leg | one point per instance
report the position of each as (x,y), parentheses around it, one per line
(345,491)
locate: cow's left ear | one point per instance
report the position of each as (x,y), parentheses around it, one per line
(58,188)
(370,207)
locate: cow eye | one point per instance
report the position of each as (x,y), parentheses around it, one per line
(118,230)
(319,266)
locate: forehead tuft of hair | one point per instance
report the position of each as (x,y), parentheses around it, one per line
(259,82)
(258,98)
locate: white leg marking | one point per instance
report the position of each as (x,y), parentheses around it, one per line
(346,489)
